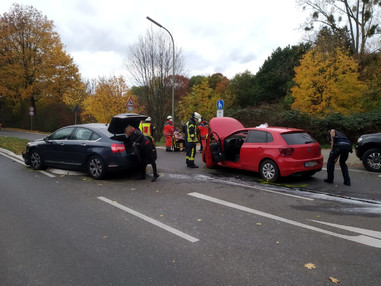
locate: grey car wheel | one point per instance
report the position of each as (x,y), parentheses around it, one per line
(372,160)
(36,161)
(269,171)
(96,167)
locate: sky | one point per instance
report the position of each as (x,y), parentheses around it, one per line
(216,36)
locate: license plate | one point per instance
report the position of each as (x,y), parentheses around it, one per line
(310,164)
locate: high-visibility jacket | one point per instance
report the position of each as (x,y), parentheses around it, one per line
(168,128)
(203,128)
(146,128)
(191,131)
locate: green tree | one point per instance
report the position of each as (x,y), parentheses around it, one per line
(195,80)
(241,88)
(327,83)
(274,79)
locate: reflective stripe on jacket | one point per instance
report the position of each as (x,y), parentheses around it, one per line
(191,131)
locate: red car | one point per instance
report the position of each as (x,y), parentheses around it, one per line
(272,151)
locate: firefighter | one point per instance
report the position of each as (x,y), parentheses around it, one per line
(192,139)
(168,133)
(146,128)
(203,130)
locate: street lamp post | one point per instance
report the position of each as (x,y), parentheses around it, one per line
(173,68)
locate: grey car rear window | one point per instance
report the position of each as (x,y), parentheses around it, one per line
(297,138)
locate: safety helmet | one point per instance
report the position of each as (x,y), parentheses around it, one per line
(197,116)
(169,117)
(148,119)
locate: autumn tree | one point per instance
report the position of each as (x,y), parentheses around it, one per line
(33,63)
(149,61)
(361,18)
(327,83)
(110,98)
(202,99)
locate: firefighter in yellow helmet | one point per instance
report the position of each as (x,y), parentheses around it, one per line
(192,139)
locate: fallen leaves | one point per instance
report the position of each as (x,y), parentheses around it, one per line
(334,280)
(310,266)
(313,266)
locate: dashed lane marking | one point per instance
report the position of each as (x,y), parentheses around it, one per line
(365,237)
(150,220)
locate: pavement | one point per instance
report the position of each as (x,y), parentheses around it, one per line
(352,161)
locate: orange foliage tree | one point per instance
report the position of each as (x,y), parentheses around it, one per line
(33,63)
(110,98)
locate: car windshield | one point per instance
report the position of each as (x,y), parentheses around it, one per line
(297,138)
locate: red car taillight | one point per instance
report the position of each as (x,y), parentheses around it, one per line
(286,151)
(117,148)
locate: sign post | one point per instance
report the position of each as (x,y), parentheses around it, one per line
(31,113)
(220,110)
(76,110)
(130,105)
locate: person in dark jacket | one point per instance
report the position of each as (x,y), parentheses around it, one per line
(340,147)
(145,148)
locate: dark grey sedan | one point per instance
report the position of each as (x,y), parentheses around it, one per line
(88,147)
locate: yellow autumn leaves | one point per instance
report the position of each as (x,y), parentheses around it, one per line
(328,82)
(110,98)
(313,266)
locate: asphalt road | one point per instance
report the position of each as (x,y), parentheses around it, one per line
(191,227)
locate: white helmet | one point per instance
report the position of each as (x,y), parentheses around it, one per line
(169,117)
(197,116)
(148,119)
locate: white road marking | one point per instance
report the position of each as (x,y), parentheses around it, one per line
(150,220)
(372,233)
(47,174)
(362,239)
(269,191)
(13,158)
(17,160)
(257,187)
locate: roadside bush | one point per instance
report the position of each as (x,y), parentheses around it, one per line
(353,125)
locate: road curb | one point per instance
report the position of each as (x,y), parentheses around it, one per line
(11,154)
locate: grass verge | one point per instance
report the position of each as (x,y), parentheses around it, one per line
(16,145)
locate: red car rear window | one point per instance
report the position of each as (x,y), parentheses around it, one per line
(297,138)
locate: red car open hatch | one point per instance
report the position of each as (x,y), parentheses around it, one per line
(223,126)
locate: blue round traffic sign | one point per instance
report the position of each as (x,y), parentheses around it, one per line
(220,104)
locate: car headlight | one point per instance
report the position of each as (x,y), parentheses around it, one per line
(359,140)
